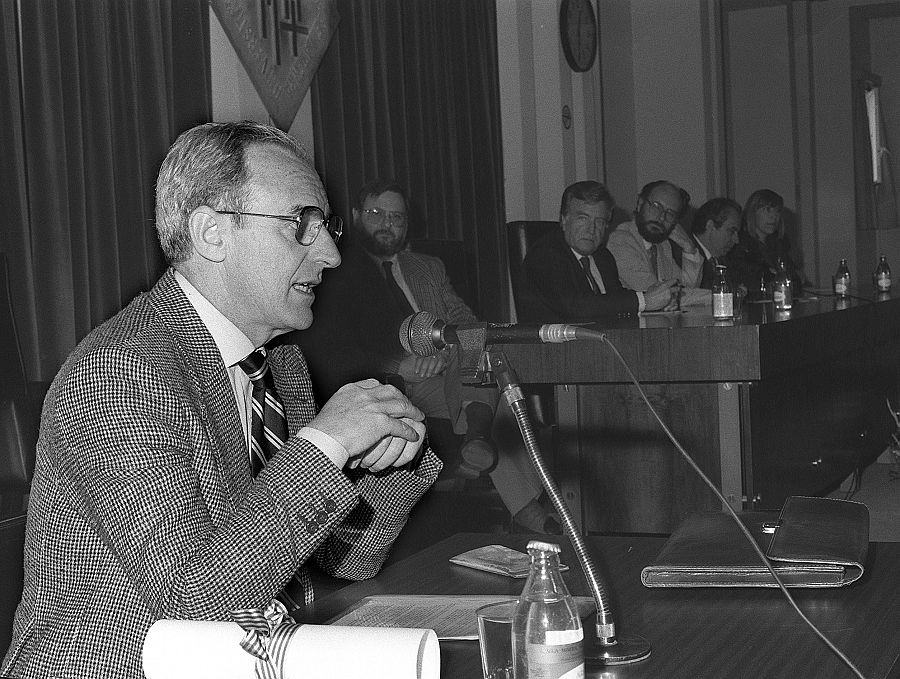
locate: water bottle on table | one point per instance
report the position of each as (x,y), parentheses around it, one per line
(547,636)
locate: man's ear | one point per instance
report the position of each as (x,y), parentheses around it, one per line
(208,230)
(355,214)
(711,224)
(638,204)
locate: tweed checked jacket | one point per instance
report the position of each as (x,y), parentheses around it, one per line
(356,333)
(143,506)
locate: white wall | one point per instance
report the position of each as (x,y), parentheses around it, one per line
(540,155)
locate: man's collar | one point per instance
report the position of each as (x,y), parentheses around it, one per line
(578,255)
(378,259)
(233,344)
(703,248)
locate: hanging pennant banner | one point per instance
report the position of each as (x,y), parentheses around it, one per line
(280,43)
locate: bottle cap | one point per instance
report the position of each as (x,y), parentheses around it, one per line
(543,546)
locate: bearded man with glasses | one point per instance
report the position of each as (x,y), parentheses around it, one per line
(656,247)
(359,311)
(183,470)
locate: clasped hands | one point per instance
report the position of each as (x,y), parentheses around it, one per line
(376,423)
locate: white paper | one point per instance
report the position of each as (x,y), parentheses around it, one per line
(195,649)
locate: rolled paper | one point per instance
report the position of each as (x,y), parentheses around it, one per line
(201,649)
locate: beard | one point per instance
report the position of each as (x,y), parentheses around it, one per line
(382,243)
(652,235)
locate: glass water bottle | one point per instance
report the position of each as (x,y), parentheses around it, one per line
(722,297)
(782,291)
(547,636)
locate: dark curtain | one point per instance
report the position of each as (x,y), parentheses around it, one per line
(101,90)
(409,90)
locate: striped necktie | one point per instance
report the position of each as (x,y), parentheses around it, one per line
(268,432)
(268,428)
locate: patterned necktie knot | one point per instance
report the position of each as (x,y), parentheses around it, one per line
(256,365)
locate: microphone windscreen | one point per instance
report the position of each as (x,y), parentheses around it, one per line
(416,334)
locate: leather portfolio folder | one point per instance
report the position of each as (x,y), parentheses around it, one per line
(817,542)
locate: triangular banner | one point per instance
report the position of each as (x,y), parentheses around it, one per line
(280,43)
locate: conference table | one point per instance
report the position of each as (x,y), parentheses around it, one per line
(769,404)
(694,633)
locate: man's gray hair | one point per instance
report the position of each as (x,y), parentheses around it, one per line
(207,165)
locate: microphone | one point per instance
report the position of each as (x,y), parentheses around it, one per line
(424,334)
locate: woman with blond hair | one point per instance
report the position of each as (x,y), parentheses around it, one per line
(761,243)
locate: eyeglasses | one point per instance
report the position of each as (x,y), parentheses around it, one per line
(665,213)
(377,216)
(306,225)
(600,221)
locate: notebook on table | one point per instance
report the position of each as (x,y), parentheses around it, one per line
(813,542)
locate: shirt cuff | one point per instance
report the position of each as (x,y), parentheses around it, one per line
(333,450)
(641,304)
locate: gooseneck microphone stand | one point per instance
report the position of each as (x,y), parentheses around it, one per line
(604,647)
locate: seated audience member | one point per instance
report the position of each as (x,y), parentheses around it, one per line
(762,241)
(715,228)
(360,309)
(570,276)
(155,495)
(655,247)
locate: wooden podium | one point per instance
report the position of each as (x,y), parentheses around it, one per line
(769,405)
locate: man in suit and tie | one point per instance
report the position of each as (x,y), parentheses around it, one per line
(570,276)
(655,246)
(715,227)
(359,312)
(174,482)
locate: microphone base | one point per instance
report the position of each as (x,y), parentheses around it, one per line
(626,650)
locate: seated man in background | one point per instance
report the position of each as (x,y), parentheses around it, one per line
(570,276)
(359,313)
(655,247)
(715,228)
(155,494)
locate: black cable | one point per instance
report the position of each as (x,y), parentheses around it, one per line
(585,333)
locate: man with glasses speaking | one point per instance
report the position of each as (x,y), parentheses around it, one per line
(655,246)
(182,470)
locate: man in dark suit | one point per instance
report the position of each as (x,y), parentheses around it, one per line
(570,276)
(359,312)
(715,228)
(146,503)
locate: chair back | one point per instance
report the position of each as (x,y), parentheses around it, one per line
(17,422)
(12,564)
(520,236)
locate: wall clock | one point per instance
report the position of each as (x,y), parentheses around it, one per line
(578,32)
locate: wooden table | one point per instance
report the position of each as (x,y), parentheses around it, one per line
(769,405)
(693,633)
